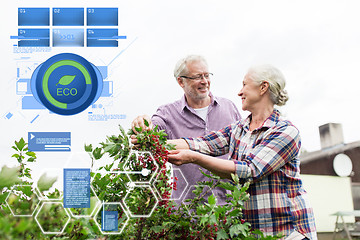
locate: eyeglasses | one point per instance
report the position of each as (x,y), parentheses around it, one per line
(199,77)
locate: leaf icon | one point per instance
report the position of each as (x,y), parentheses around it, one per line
(66,80)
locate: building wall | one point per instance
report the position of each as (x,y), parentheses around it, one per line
(324,166)
(328,195)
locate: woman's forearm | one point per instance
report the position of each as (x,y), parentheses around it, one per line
(179,143)
(220,167)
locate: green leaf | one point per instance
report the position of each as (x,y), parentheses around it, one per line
(108,147)
(97,153)
(45,182)
(201,210)
(221,235)
(103,182)
(66,80)
(8,176)
(26,189)
(3,197)
(237,229)
(88,148)
(226,185)
(235,178)
(213,220)
(204,220)
(221,209)
(245,186)
(109,167)
(146,122)
(236,193)
(27,172)
(31,154)
(20,144)
(212,201)
(235,213)
(170,146)
(22,225)
(138,129)
(156,229)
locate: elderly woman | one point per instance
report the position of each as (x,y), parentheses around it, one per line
(264,150)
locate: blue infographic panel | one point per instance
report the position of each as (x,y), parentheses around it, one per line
(9,115)
(104,71)
(23,86)
(107,90)
(29,102)
(68,16)
(109,221)
(102,37)
(68,37)
(33,16)
(76,187)
(49,141)
(102,16)
(31,37)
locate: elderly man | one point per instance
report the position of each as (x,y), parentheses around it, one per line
(196,114)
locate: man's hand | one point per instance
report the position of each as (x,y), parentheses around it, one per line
(133,140)
(138,123)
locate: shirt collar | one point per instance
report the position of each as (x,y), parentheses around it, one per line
(268,123)
(184,104)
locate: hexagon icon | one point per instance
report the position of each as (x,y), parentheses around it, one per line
(141,167)
(111,218)
(202,190)
(23,200)
(52,218)
(140,201)
(109,186)
(86,212)
(78,160)
(161,185)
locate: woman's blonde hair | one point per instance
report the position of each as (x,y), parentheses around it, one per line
(276,80)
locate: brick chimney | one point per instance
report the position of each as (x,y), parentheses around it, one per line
(331,134)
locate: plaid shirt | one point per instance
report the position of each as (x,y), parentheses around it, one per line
(268,158)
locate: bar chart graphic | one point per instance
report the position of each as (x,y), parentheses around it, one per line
(68,27)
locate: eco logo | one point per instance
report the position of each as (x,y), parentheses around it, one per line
(66,84)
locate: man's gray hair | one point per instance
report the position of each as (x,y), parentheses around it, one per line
(181,66)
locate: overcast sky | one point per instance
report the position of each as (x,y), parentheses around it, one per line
(316,44)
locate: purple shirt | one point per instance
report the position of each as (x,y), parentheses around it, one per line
(179,120)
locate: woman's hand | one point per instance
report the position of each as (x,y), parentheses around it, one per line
(182,156)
